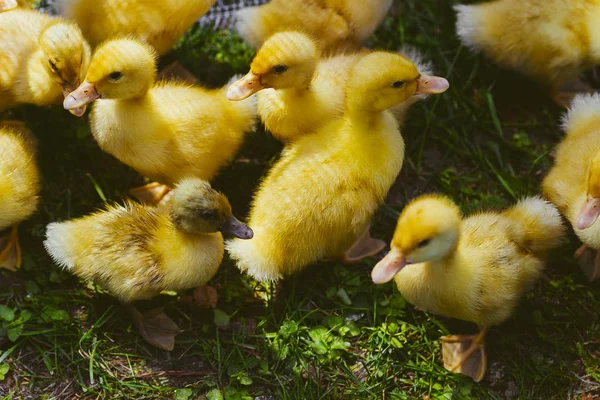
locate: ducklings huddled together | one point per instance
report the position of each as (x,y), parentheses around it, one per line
(339,109)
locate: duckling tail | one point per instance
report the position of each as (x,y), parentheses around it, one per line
(583,112)
(58,237)
(537,225)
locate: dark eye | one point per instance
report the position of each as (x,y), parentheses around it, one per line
(423,243)
(398,84)
(279,69)
(115,76)
(209,214)
(53,66)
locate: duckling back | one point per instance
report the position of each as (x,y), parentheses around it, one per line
(19,177)
(551,40)
(160,23)
(134,251)
(176,131)
(319,197)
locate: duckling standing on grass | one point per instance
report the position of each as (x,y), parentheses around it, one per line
(165,130)
(137,251)
(340,25)
(573,184)
(318,200)
(19,189)
(43,59)
(158,22)
(474,269)
(305,92)
(553,41)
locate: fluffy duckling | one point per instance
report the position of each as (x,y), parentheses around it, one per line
(319,198)
(159,23)
(305,92)
(19,189)
(137,251)
(165,130)
(553,41)
(339,24)
(573,184)
(474,269)
(43,59)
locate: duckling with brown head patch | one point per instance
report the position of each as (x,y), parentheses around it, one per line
(136,251)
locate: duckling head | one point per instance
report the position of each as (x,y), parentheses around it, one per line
(591,208)
(381,80)
(427,230)
(197,208)
(286,60)
(119,69)
(67,56)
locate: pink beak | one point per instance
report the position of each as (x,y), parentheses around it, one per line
(67,89)
(388,267)
(245,87)
(84,94)
(429,84)
(589,213)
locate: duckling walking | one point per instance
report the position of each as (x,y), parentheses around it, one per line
(573,184)
(166,131)
(19,190)
(137,251)
(43,59)
(321,195)
(474,269)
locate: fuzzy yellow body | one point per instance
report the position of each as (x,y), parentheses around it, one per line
(339,24)
(135,251)
(158,22)
(291,113)
(165,130)
(492,258)
(174,131)
(551,40)
(567,183)
(25,76)
(19,178)
(320,196)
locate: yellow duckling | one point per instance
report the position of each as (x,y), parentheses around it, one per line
(321,195)
(474,269)
(137,251)
(573,184)
(339,24)
(159,23)
(165,130)
(19,189)
(306,92)
(43,59)
(553,41)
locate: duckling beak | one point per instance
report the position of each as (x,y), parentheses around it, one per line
(237,228)
(429,84)
(589,213)
(245,87)
(84,94)
(388,267)
(67,89)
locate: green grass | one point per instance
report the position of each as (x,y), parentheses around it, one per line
(334,334)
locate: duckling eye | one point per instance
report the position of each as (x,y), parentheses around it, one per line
(279,69)
(209,214)
(115,76)
(53,66)
(397,84)
(423,243)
